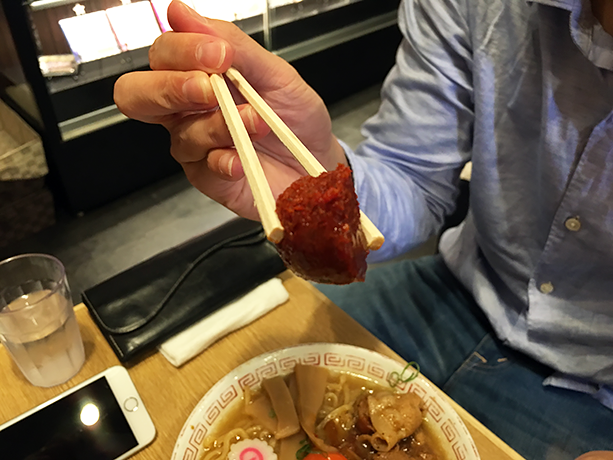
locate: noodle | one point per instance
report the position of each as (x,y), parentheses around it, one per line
(272,442)
(330,402)
(225,444)
(332,397)
(247,397)
(332,415)
(246,425)
(236,433)
(256,431)
(346,394)
(334,387)
(211,455)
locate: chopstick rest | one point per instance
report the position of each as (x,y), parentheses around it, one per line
(195,339)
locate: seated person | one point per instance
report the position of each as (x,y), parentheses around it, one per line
(514,318)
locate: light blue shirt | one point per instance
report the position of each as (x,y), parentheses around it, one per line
(524,90)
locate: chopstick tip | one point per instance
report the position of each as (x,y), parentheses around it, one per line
(275,235)
(376,243)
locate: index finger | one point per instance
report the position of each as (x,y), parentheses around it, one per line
(263,69)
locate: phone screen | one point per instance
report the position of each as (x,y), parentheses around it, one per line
(85,425)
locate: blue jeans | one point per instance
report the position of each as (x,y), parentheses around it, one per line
(421,311)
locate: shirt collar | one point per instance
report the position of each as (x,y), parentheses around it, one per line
(564,4)
(586,32)
(589,36)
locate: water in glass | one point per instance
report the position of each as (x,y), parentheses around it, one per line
(48,348)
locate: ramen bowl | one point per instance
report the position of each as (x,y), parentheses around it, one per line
(444,422)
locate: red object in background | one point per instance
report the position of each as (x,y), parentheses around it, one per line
(323,240)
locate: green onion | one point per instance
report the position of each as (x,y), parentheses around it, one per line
(307,449)
(395,378)
(304,450)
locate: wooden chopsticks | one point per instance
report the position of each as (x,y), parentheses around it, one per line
(256,178)
(262,194)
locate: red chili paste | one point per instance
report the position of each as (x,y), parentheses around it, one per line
(323,239)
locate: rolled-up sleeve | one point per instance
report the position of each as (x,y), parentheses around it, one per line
(407,170)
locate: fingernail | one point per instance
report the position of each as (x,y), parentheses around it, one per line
(250,112)
(196,89)
(211,54)
(225,163)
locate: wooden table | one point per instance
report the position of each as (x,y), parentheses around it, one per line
(170,394)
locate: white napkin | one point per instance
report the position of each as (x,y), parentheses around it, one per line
(194,340)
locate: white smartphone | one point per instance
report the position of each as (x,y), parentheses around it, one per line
(103,418)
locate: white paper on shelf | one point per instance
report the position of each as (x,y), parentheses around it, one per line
(249,8)
(90,36)
(216,9)
(228,10)
(278,3)
(134,24)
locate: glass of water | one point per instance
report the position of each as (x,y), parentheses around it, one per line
(37,322)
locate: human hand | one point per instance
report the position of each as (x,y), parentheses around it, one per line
(178,95)
(597,455)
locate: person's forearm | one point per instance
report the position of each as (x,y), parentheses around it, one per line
(394,204)
(407,170)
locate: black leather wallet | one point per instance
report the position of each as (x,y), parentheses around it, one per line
(145,305)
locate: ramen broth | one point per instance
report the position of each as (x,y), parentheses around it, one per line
(341,393)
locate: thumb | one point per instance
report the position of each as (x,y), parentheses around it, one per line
(264,70)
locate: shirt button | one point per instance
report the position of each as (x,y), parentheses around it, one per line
(546,288)
(573,224)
